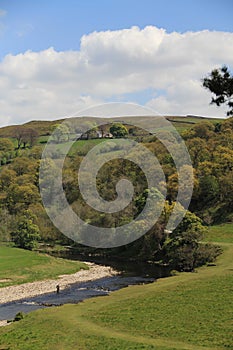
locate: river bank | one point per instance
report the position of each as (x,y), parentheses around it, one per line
(32,289)
(186,311)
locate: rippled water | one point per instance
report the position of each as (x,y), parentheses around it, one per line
(72,294)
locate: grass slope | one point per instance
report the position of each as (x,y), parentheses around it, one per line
(186,311)
(45,127)
(19,266)
(220,233)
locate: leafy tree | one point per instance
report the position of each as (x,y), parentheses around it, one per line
(19,197)
(220,83)
(61,133)
(226,186)
(182,247)
(24,165)
(204,130)
(36,152)
(5,219)
(92,130)
(17,133)
(26,234)
(223,157)
(198,150)
(6,145)
(29,137)
(7,177)
(118,130)
(25,136)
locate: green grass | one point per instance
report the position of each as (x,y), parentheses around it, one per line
(195,120)
(220,233)
(19,266)
(184,123)
(42,139)
(80,147)
(189,314)
(186,311)
(84,146)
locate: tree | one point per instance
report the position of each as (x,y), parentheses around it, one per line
(26,234)
(198,150)
(5,225)
(6,145)
(25,136)
(118,130)
(19,197)
(220,83)
(29,137)
(17,133)
(226,185)
(24,165)
(92,130)
(61,133)
(7,177)
(182,245)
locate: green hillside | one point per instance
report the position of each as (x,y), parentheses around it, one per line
(19,266)
(44,127)
(210,148)
(190,310)
(184,312)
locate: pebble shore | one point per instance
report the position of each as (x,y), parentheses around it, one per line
(27,290)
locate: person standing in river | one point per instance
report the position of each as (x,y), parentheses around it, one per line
(58,289)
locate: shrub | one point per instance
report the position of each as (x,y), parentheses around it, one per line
(19,316)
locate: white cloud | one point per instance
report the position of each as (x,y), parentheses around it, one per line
(51,84)
(186,97)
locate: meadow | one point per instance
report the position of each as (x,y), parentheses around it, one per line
(190,311)
(20,266)
(220,233)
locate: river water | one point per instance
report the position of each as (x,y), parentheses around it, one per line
(130,274)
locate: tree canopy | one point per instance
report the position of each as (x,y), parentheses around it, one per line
(26,234)
(220,83)
(210,147)
(118,130)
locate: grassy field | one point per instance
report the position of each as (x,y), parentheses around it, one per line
(80,147)
(184,123)
(220,233)
(187,311)
(20,266)
(194,120)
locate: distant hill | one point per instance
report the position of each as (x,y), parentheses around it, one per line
(45,127)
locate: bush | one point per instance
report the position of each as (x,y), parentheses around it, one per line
(19,316)
(206,253)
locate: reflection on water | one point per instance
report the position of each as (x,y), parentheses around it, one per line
(126,266)
(132,272)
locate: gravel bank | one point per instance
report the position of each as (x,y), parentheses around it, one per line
(26,290)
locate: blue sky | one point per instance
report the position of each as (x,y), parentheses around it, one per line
(40,25)
(37,25)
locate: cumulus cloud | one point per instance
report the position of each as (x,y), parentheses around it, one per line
(109,64)
(186,97)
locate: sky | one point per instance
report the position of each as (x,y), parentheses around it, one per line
(58,57)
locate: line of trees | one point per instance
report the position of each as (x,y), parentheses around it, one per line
(26,137)
(210,145)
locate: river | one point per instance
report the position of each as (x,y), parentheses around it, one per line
(131,273)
